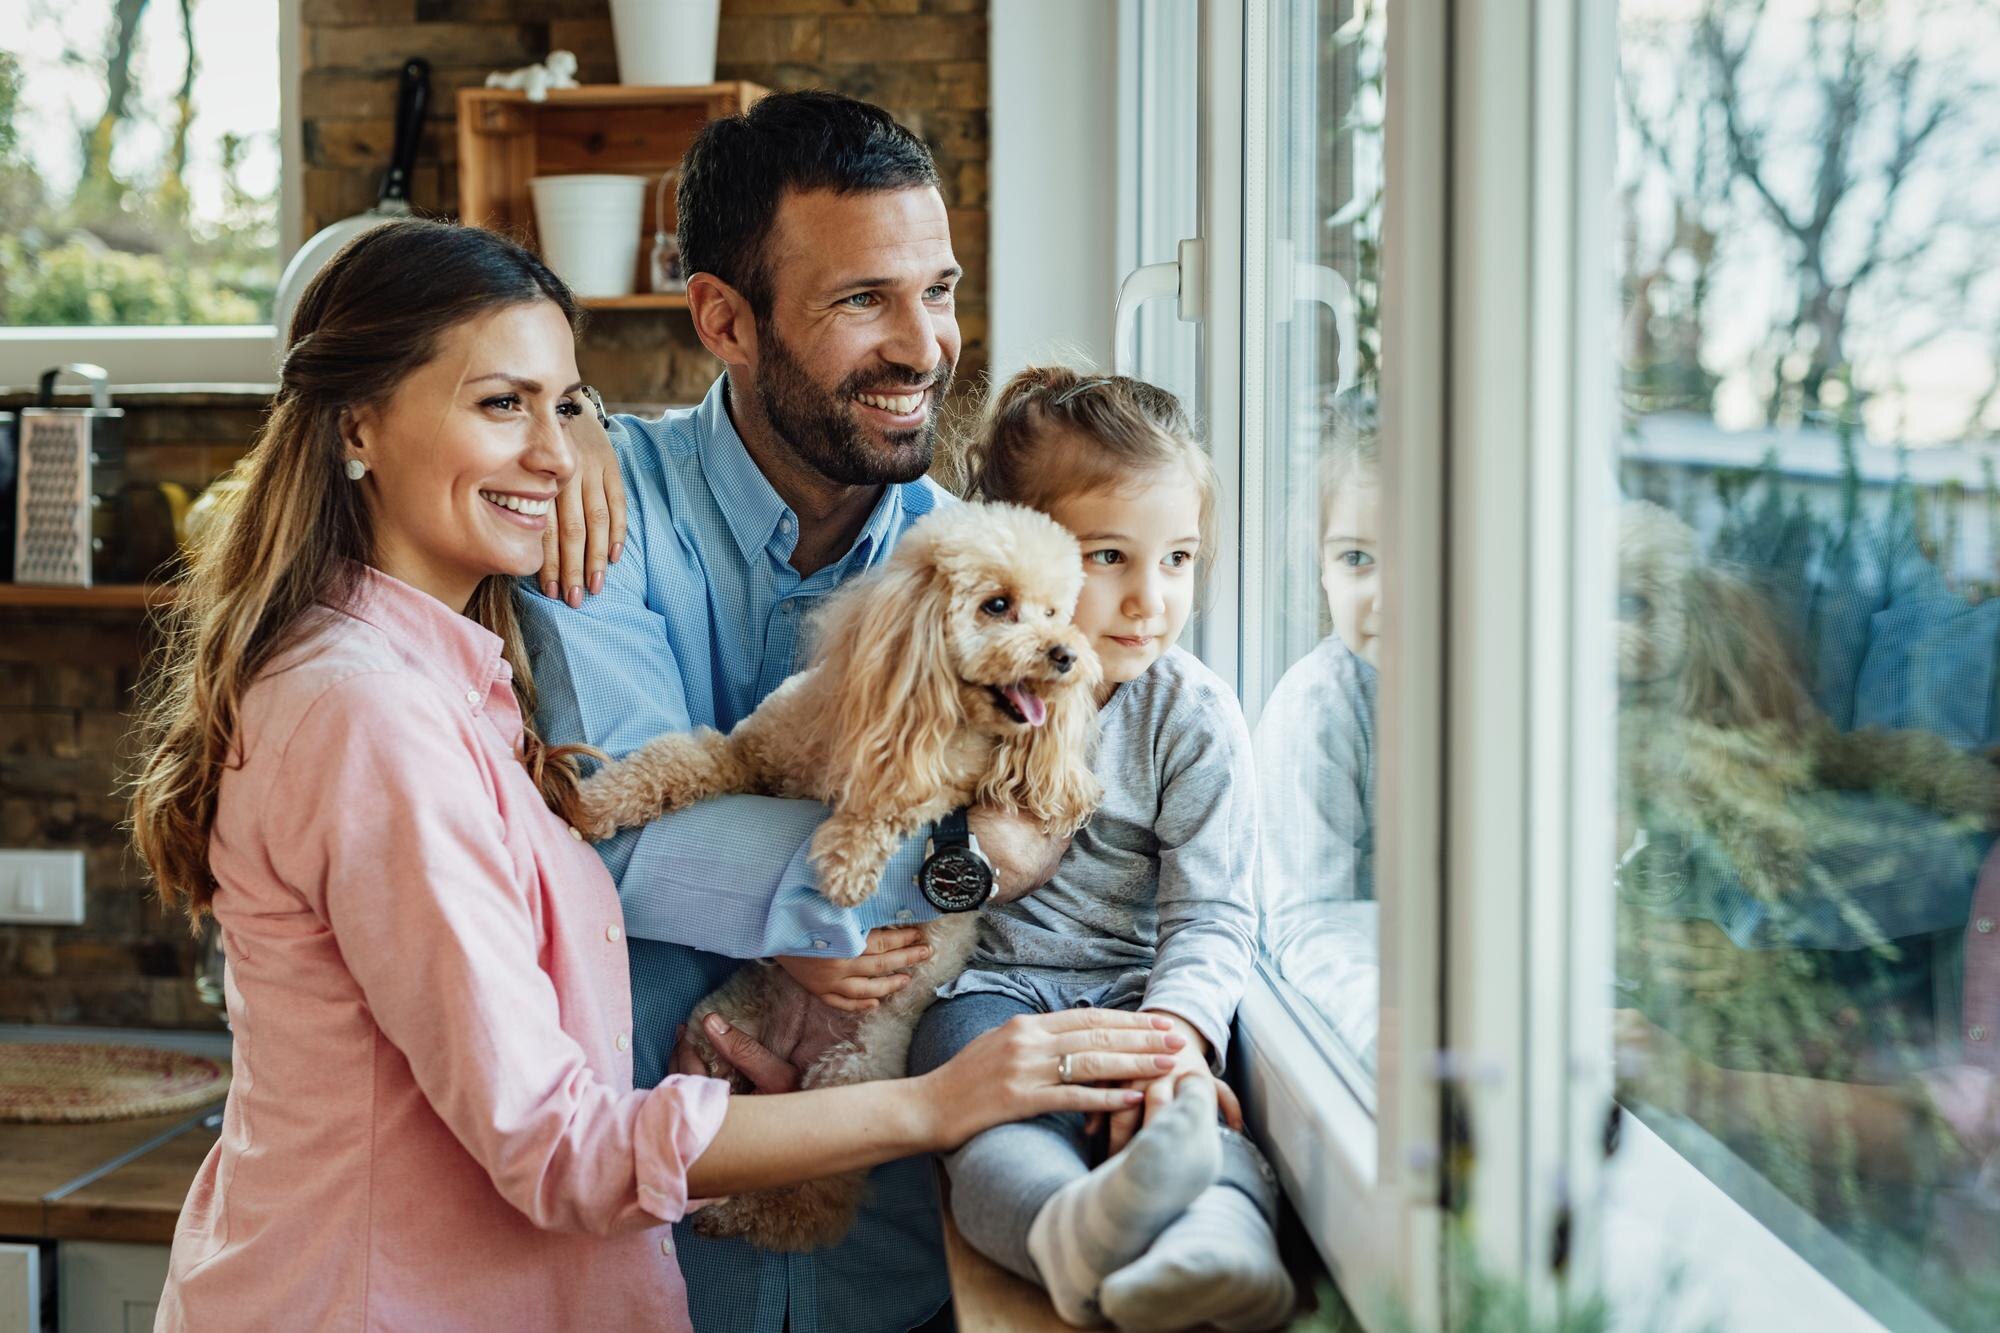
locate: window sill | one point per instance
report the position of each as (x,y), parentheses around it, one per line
(1321,1139)
(1679,1248)
(148,396)
(176,355)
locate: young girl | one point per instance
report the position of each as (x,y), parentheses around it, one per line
(1151,908)
(1316,758)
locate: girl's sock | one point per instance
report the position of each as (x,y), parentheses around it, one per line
(1097,1225)
(1218,1264)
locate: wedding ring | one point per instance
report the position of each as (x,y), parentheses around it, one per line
(1062,1069)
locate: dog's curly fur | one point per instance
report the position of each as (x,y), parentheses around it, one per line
(903,716)
(1716,729)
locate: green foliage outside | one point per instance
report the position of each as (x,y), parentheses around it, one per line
(129,251)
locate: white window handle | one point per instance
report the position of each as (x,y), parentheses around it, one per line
(1181,278)
(1324,286)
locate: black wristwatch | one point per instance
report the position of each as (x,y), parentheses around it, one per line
(956,876)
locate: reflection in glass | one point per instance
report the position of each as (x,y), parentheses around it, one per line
(1808,645)
(1315,745)
(1314,614)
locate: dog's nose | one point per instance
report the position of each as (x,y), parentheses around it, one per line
(1062,657)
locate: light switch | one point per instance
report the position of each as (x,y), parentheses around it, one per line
(43,887)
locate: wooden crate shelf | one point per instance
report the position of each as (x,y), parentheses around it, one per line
(643,301)
(504,141)
(103,597)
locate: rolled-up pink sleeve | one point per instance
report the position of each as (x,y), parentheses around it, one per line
(393,832)
(1968,1097)
(676,1124)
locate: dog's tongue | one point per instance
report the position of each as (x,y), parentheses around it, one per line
(1031,707)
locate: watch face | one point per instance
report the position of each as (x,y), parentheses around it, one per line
(956,879)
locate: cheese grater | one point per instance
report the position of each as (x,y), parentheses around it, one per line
(72,465)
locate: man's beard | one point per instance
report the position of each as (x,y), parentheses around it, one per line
(820,426)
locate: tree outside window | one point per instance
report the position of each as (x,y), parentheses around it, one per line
(139,163)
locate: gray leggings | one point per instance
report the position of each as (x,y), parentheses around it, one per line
(1001,1179)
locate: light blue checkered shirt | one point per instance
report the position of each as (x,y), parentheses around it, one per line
(698,621)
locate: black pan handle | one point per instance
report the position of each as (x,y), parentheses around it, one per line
(413,96)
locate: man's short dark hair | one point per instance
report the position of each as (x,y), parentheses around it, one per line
(740,167)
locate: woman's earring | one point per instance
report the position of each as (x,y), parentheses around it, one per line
(356,469)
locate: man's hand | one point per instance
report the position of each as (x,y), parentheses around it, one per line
(766,1070)
(1024,858)
(796,1032)
(587,530)
(1694,955)
(856,985)
(1190,1061)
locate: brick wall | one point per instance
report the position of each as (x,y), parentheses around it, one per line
(66,679)
(66,687)
(924,60)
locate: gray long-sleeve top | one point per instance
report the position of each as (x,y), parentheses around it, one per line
(1153,906)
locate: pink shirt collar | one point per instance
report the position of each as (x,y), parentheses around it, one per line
(435,641)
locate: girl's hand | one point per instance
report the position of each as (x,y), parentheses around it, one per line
(1191,1061)
(856,985)
(1014,1071)
(587,531)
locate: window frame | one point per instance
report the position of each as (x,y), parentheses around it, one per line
(187,354)
(1364,1180)
(1496,802)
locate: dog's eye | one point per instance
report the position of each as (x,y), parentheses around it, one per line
(1633,606)
(1052,611)
(995,606)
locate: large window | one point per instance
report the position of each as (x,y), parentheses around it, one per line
(1638,648)
(139,163)
(1807,644)
(145,212)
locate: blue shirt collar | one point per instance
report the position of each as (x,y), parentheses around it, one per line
(759,519)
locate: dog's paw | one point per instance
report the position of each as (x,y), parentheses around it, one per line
(843,887)
(596,814)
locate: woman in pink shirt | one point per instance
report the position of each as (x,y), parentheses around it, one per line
(433,1123)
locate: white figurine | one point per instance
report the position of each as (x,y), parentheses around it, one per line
(557,71)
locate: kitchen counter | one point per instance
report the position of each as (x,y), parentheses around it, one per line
(49,1187)
(119,1180)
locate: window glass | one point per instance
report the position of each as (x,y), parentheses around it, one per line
(139,162)
(1313,542)
(1808,641)
(1159,206)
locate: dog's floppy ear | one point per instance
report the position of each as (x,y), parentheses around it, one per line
(1046,772)
(882,650)
(1738,671)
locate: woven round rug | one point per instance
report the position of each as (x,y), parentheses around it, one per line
(62,1082)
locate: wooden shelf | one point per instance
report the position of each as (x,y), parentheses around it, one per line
(505,141)
(643,301)
(104,597)
(730,93)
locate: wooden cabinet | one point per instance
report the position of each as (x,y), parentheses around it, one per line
(504,141)
(109,1288)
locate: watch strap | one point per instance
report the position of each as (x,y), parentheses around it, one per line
(953,830)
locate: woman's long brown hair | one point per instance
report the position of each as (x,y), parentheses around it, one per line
(296,537)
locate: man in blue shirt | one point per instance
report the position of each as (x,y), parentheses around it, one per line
(822,278)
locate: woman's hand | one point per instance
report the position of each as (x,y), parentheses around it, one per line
(588,529)
(1014,1072)
(856,985)
(1191,1061)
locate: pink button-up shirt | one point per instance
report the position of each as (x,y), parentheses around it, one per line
(433,1123)
(1968,1093)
